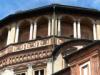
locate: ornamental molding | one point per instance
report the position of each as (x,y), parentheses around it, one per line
(30,45)
(33,55)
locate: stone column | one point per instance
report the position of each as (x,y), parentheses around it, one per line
(49,67)
(30,70)
(79,29)
(94,31)
(98,29)
(49,27)
(56,26)
(1,72)
(39,72)
(75,29)
(17,33)
(8,71)
(53,26)
(31,32)
(35,30)
(9,35)
(59,27)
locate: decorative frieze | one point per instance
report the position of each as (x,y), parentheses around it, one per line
(29,45)
(25,57)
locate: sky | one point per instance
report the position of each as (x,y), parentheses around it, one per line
(8,7)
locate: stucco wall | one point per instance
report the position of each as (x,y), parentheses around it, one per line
(59,63)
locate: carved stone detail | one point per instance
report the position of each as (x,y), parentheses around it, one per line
(25,57)
(29,45)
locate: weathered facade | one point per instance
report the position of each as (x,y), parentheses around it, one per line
(54,39)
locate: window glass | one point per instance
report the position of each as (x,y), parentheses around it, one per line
(36,72)
(42,72)
(39,72)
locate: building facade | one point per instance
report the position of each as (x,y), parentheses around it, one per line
(54,39)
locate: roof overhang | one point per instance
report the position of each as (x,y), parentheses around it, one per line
(49,9)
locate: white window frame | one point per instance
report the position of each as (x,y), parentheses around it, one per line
(85,64)
(39,71)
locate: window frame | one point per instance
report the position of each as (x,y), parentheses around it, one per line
(40,70)
(86,64)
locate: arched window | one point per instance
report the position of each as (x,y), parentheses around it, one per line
(86,28)
(3,37)
(66,26)
(24,31)
(42,27)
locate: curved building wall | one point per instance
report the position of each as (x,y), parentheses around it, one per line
(27,44)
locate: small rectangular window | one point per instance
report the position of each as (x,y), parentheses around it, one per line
(85,69)
(23,74)
(42,72)
(39,72)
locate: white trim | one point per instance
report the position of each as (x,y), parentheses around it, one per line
(87,63)
(53,26)
(56,26)
(31,32)
(74,29)
(79,29)
(17,34)
(94,31)
(49,27)
(30,70)
(35,30)
(59,27)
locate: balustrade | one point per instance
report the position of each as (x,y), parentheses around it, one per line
(30,45)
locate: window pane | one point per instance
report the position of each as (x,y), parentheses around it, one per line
(85,70)
(23,74)
(36,72)
(42,72)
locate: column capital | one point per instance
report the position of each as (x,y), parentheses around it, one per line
(78,20)
(8,68)
(29,65)
(59,18)
(35,22)
(94,22)
(50,60)
(9,27)
(49,18)
(30,69)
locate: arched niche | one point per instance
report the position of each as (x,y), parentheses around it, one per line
(86,28)
(24,31)
(42,27)
(67,26)
(3,37)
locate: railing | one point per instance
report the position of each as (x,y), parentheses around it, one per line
(32,44)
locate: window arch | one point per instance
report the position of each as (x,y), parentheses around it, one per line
(67,26)
(86,28)
(24,31)
(42,27)
(3,37)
